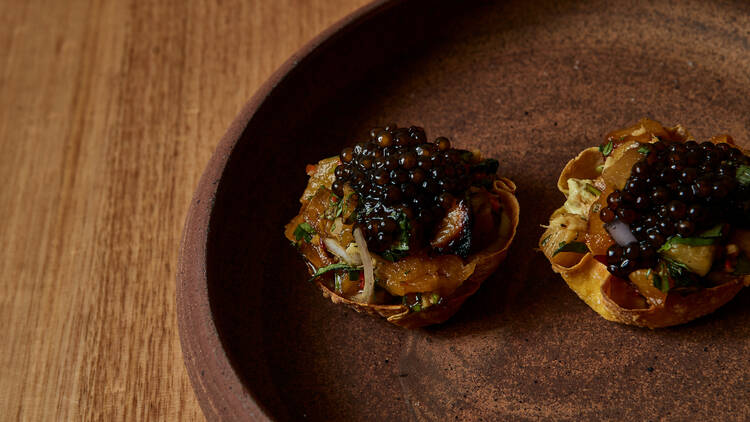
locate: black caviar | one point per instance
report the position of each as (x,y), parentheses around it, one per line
(677,189)
(405,184)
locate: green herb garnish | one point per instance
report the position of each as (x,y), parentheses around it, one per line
(435,298)
(690,241)
(304,231)
(679,273)
(708,237)
(592,190)
(645,150)
(339,208)
(714,231)
(661,283)
(743,175)
(401,248)
(607,148)
(334,267)
(417,306)
(334,208)
(577,247)
(404,231)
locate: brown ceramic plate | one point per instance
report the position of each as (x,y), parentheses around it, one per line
(530,83)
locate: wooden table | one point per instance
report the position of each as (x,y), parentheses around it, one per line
(109,112)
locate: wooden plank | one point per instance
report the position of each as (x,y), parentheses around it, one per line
(108,113)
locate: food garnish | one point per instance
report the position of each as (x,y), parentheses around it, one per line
(665,228)
(402,227)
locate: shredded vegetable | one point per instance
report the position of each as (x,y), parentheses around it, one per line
(368,293)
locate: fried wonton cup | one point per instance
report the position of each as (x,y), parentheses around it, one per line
(476,268)
(613,298)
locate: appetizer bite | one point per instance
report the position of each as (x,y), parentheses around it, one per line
(404,228)
(656,227)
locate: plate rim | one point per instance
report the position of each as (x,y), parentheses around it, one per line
(222,395)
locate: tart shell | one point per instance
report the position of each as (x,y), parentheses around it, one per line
(592,282)
(485,262)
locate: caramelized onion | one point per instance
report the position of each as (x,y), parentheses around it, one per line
(334,247)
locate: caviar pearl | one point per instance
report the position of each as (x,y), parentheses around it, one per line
(443,144)
(397,172)
(676,190)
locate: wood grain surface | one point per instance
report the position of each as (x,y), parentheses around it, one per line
(109,111)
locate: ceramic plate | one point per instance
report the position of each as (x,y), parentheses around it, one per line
(530,83)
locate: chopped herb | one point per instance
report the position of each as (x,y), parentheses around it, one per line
(404,232)
(435,298)
(714,231)
(333,267)
(743,175)
(546,239)
(708,237)
(661,283)
(416,308)
(645,150)
(304,231)
(743,266)
(592,190)
(607,148)
(671,264)
(401,248)
(577,247)
(690,241)
(679,273)
(344,203)
(335,207)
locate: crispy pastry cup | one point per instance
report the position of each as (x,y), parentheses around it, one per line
(485,263)
(591,281)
